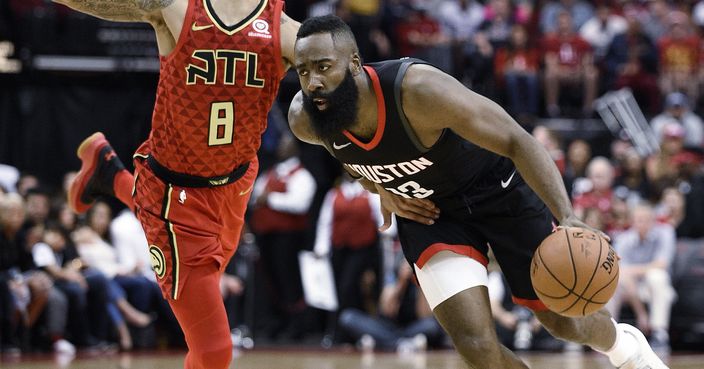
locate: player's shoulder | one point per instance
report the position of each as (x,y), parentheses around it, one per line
(422,83)
(299,121)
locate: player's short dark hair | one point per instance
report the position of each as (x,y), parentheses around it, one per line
(327,24)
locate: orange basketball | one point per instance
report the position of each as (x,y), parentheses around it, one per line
(574,272)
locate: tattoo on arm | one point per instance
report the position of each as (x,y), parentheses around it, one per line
(119,10)
(151,5)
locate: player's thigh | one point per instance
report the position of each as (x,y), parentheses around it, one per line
(515,236)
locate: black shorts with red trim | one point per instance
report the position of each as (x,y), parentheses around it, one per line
(513,222)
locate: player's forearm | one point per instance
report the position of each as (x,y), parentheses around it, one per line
(538,170)
(117,10)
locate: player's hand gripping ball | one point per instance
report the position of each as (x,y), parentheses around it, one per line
(574,272)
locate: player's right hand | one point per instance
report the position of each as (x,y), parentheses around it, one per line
(420,210)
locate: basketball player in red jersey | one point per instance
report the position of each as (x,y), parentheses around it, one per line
(407,130)
(221,63)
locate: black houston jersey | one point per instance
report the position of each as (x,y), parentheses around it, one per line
(397,160)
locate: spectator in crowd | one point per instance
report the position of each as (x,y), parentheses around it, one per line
(677,111)
(9,176)
(516,67)
(679,57)
(131,247)
(551,142)
(498,23)
(96,253)
(691,183)
(631,61)
(460,20)
(646,252)
(659,167)
(347,230)
(361,15)
(405,322)
(631,179)
(655,19)
(601,29)
(30,291)
(698,14)
(597,189)
(568,61)
(26,182)
(419,35)
(492,34)
(85,289)
(282,197)
(38,204)
(579,153)
(671,208)
(580,12)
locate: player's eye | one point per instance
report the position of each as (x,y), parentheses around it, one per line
(302,72)
(323,67)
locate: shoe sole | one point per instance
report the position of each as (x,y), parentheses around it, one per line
(643,342)
(88,152)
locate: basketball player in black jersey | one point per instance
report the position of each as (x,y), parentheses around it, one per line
(460,174)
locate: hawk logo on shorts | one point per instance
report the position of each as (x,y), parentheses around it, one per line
(158,261)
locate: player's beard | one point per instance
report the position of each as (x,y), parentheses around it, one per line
(341,111)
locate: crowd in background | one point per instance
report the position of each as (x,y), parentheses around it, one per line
(86,282)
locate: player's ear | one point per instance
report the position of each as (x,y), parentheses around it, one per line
(356,64)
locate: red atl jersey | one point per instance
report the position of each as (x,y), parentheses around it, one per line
(215,90)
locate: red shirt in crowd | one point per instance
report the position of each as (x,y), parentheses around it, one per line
(679,54)
(570,50)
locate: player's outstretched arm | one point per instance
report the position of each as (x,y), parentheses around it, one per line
(289,29)
(118,10)
(433,101)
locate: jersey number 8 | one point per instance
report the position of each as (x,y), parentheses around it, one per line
(222,123)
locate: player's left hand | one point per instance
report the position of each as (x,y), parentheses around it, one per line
(420,210)
(573,221)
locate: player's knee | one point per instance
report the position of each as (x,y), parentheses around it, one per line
(212,357)
(476,348)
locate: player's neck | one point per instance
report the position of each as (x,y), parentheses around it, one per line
(233,11)
(366,124)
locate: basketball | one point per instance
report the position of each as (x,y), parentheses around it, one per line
(574,272)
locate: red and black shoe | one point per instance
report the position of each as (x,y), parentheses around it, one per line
(99,165)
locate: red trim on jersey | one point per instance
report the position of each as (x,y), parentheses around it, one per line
(276,36)
(380,115)
(185,28)
(535,305)
(465,250)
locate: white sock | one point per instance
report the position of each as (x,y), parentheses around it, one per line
(624,347)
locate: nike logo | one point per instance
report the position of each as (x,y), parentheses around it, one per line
(196,27)
(504,184)
(340,147)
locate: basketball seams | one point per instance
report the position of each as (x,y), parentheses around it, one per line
(596,268)
(540,256)
(614,278)
(580,298)
(574,266)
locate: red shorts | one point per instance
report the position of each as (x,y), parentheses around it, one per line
(189,227)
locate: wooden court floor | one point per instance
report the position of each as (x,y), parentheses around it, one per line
(282,359)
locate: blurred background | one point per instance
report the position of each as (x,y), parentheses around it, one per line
(612,89)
